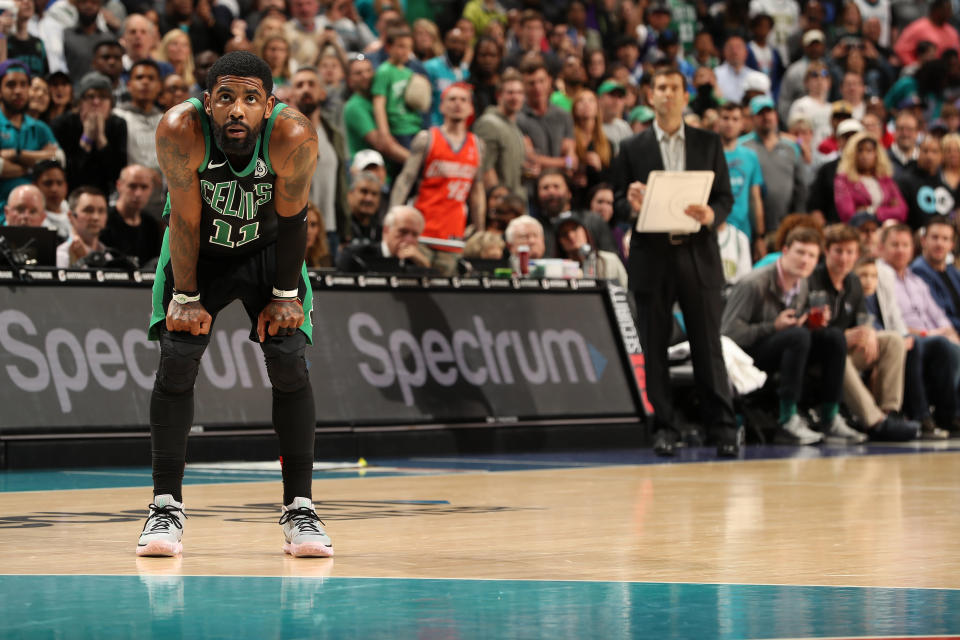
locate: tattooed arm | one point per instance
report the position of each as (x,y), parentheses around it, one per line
(411,169)
(180,150)
(293,154)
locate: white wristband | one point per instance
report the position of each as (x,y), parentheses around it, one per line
(289,294)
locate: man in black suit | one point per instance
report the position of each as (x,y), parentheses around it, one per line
(398,252)
(664,268)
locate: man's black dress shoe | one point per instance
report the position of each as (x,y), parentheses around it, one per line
(729,442)
(664,442)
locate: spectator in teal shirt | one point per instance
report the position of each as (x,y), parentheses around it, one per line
(24,141)
(746,178)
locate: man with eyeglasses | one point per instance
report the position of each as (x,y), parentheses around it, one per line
(93,138)
(24,141)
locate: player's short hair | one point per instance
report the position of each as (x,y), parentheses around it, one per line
(74,196)
(240,63)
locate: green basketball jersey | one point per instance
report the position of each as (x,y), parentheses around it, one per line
(238,215)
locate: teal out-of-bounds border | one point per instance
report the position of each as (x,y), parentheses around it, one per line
(203,607)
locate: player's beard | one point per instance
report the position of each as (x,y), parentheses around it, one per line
(236,146)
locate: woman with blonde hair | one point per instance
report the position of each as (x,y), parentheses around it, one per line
(593,150)
(275,51)
(950,167)
(318,250)
(864,182)
(485,245)
(175,49)
(426,40)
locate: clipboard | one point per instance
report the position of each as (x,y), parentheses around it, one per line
(667,194)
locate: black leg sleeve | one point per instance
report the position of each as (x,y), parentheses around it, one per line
(294,416)
(171,409)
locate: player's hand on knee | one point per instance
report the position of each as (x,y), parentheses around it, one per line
(190,317)
(280,317)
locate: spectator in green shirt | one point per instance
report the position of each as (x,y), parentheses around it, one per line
(395,119)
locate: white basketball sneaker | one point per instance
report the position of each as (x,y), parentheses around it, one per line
(303,530)
(163,529)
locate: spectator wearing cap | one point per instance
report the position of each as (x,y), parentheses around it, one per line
(923,188)
(829,148)
(641,118)
(820,201)
(93,138)
(935,28)
(364,198)
(574,242)
(864,182)
(80,41)
(504,154)
(734,71)
(612,96)
(781,162)
(21,44)
(794,79)
(24,141)
(904,149)
(756,85)
(814,106)
(761,55)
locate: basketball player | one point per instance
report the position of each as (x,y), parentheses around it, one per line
(239,166)
(446,160)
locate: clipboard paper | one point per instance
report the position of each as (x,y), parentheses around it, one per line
(667,194)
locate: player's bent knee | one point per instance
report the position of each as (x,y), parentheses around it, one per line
(179,365)
(286,365)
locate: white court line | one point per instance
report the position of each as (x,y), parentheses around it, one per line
(539,463)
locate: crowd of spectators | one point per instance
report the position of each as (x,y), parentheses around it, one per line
(841,115)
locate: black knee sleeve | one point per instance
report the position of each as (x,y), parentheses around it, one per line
(286,364)
(179,365)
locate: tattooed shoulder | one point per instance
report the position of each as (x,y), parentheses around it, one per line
(297,117)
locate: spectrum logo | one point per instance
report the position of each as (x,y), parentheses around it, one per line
(474,355)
